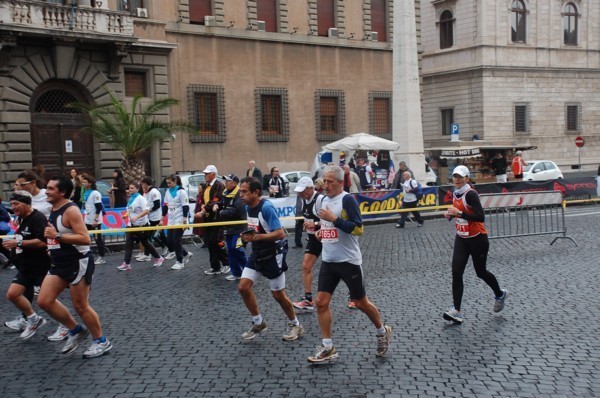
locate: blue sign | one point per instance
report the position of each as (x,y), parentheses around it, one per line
(455,129)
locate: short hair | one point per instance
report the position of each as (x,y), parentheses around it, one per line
(30,175)
(64,185)
(90,179)
(253,184)
(337,172)
(148,180)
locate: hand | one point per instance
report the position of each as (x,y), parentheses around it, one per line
(454,212)
(9,244)
(318,235)
(50,231)
(309,226)
(327,215)
(215,208)
(248,237)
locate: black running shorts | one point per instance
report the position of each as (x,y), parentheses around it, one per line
(313,247)
(29,279)
(352,275)
(79,268)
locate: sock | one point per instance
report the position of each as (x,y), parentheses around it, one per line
(100,339)
(381,331)
(33,316)
(76,330)
(257,320)
(328,343)
(295,321)
(308,296)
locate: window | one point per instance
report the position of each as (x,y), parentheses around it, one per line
(135,84)
(573,118)
(380,114)
(206,113)
(330,115)
(266,10)
(446,29)
(521,118)
(198,10)
(325,16)
(518,22)
(379,18)
(447,120)
(570,24)
(127,5)
(272,119)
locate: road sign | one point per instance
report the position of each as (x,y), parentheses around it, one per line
(454,132)
(579,141)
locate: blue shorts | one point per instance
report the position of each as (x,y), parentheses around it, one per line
(72,273)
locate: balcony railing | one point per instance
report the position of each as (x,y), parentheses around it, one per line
(33,15)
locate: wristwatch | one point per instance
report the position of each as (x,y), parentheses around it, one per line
(58,236)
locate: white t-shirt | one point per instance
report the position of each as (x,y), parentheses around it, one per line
(136,208)
(175,206)
(41,204)
(151,196)
(407,186)
(90,208)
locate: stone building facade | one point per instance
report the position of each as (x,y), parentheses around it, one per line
(522,72)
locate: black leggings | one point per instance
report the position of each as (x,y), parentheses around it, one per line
(476,247)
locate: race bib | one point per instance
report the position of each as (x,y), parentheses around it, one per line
(18,250)
(53,244)
(172,209)
(329,233)
(253,223)
(462,228)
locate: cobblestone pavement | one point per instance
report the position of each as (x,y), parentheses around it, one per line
(177,333)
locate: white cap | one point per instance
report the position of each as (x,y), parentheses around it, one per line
(210,169)
(461,170)
(303,183)
(518,153)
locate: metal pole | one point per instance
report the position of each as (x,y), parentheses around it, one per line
(579,160)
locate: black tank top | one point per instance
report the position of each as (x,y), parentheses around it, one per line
(67,253)
(308,208)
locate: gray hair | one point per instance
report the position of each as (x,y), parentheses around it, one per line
(337,172)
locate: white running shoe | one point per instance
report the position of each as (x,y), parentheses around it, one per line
(60,334)
(99,260)
(187,257)
(159,261)
(143,258)
(97,349)
(124,267)
(169,255)
(33,324)
(18,324)
(178,266)
(225,269)
(73,341)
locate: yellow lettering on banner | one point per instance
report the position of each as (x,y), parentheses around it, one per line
(375,206)
(391,203)
(364,207)
(429,199)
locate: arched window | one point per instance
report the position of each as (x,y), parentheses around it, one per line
(518,22)
(570,16)
(55,101)
(446,29)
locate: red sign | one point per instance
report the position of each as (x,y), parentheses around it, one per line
(579,141)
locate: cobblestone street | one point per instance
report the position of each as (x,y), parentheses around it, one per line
(177,333)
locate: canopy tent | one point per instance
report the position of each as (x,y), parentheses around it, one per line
(465,152)
(362,141)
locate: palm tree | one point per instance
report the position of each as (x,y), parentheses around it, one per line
(131,132)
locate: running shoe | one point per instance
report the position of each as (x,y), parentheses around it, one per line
(499,303)
(99,260)
(187,257)
(211,271)
(305,304)
(74,340)
(178,266)
(225,269)
(18,324)
(454,315)
(255,330)
(33,324)
(143,258)
(36,290)
(97,349)
(169,256)
(165,251)
(60,334)
(124,267)
(293,332)
(159,261)
(233,278)
(383,342)
(323,355)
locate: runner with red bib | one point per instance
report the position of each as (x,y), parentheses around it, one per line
(517,165)
(471,240)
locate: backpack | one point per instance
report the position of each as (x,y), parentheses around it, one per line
(419,193)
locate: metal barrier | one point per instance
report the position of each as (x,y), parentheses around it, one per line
(510,215)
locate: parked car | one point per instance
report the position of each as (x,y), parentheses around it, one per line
(292,178)
(541,170)
(190,182)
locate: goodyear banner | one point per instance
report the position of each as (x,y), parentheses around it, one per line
(390,200)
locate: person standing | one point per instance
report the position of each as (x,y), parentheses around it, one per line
(72,267)
(275,184)
(233,209)
(28,252)
(311,202)
(119,189)
(92,203)
(206,211)
(137,216)
(365,174)
(254,171)
(351,180)
(517,165)
(269,248)
(499,166)
(471,240)
(177,207)
(154,198)
(341,224)
(409,200)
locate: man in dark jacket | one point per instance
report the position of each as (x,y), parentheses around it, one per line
(233,209)
(254,171)
(499,166)
(206,211)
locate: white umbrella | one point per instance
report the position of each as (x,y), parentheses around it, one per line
(362,141)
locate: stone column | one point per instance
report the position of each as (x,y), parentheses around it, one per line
(406,117)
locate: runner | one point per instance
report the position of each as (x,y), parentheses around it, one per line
(72,267)
(28,252)
(92,203)
(154,198)
(471,240)
(177,206)
(269,248)
(341,224)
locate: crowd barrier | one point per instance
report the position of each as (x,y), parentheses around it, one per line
(510,215)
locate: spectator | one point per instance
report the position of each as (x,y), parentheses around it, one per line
(409,200)
(276,184)
(119,189)
(351,180)
(365,174)
(499,166)
(254,171)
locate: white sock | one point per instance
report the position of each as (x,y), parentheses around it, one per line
(257,320)
(295,321)
(328,343)
(381,331)
(33,316)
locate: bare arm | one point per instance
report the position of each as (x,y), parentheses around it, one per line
(71,219)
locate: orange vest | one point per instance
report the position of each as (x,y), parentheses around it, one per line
(517,167)
(466,228)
